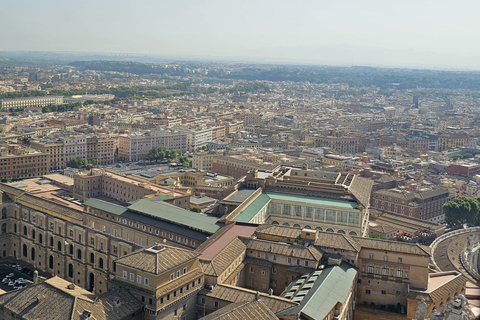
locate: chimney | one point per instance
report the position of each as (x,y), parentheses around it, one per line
(35,277)
(71,286)
(257,296)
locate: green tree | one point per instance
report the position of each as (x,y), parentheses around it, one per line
(462,210)
(374,235)
(95,162)
(77,162)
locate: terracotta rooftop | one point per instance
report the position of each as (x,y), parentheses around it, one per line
(157,259)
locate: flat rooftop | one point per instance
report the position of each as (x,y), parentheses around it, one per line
(312,200)
(221,242)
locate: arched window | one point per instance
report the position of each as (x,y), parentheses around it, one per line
(329,230)
(352,233)
(40,238)
(341,231)
(25,230)
(100,263)
(32,254)
(92,258)
(286,224)
(33,234)
(70,270)
(4,213)
(59,246)
(296,225)
(70,249)
(79,254)
(15,227)
(275,223)
(50,262)
(4,227)
(51,241)
(25,253)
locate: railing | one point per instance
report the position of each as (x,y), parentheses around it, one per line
(467,266)
(446,236)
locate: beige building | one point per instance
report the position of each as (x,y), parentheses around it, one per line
(164,278)
(135,146)
(201,182)
(17,162)
(98,182)
(54,148)
(27,102)
(203,160)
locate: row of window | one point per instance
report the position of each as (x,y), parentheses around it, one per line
(146,281)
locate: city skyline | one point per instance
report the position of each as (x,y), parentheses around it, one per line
(410,34)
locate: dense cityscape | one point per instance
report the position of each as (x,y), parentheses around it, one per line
(202,190)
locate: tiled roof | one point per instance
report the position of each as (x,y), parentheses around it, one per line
(394,246)
(338,241)
(238,294)
(53,300)
(361,188)
(157,259)
(42,203)
(217,265)
(280,231)
(301,252)
(249,310)
(445,289)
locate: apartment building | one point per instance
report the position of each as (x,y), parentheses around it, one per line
(423,203)
(341,144)
(218,133)
(203,161)
(450,141)
(28,102)
(74,146)
(17,162)
(101,148)
(54,148)
(233,127)
(135,146)
(197,138)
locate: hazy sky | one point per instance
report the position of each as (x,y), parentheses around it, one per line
(288,28)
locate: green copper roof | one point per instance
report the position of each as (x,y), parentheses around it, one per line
(105,206)
(312,200)
(165,211)
(250,211)
(330,286)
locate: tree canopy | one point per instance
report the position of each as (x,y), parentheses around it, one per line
(77,162)
(462,211)
(161,153)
